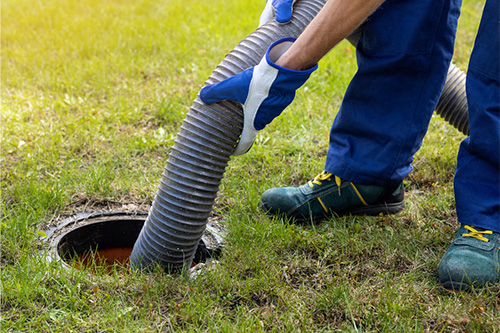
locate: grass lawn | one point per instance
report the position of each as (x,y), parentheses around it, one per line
(93,94)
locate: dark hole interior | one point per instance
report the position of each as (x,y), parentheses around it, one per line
(116,233)
(109,237)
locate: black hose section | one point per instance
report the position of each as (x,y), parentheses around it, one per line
(200,155)
(206,141)
(452,105)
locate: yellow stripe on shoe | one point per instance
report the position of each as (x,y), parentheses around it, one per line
(359,195)
(322,204)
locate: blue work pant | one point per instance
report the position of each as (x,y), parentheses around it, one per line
(477,179)
(403,57)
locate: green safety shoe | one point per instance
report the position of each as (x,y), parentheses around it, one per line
(473,259)
(328,195)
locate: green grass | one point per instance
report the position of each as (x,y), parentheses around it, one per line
(93,94)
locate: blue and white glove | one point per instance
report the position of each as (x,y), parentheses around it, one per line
(264,92)
(282,9)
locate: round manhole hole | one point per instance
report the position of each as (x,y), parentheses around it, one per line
(106,240)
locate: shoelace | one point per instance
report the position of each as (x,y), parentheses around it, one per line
(322,177)
(477,234)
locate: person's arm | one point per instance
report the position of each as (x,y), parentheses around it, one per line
(336,20)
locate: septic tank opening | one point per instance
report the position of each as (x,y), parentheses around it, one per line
(106,240)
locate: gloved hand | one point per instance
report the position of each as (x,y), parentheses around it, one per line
(264,91)
(282,9)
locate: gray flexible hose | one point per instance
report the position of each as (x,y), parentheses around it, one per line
(200,155)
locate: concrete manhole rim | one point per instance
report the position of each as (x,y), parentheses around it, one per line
(209,248)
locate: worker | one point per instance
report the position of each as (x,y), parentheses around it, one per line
(404,51)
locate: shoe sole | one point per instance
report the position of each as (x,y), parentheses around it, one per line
(371,210)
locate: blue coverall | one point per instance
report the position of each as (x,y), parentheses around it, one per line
(403,56)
